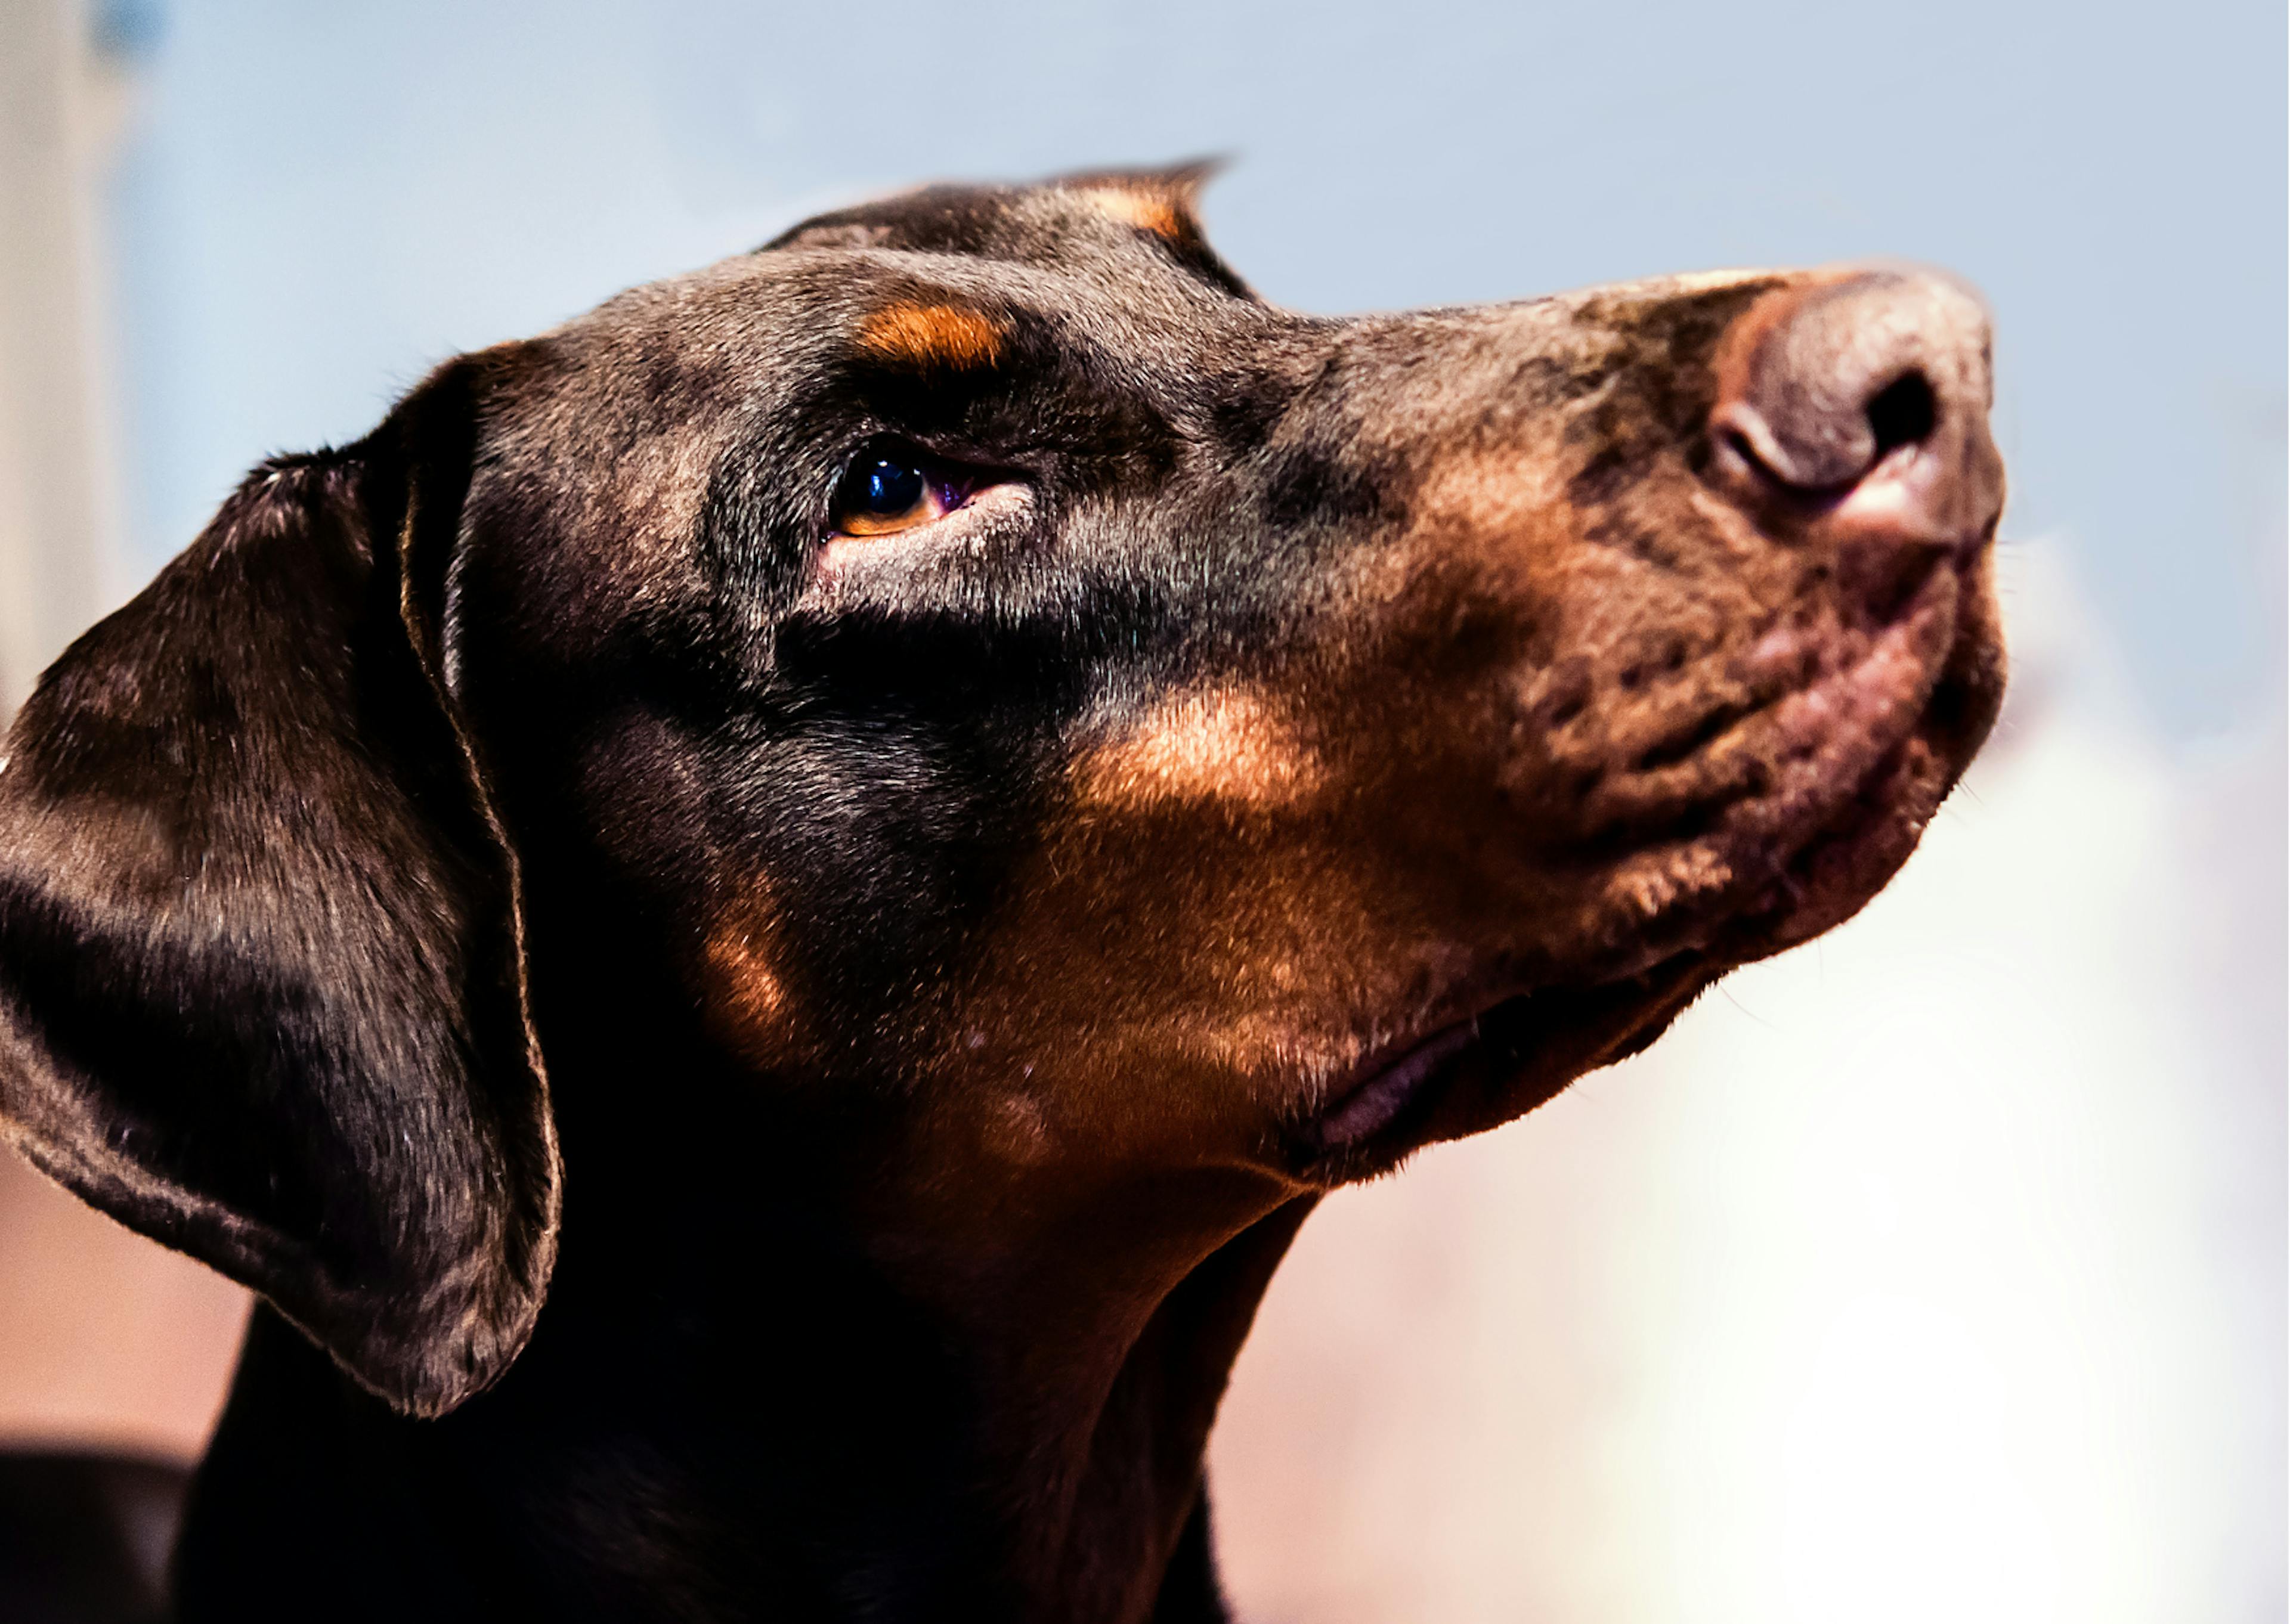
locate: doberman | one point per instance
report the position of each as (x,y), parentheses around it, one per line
(757,919)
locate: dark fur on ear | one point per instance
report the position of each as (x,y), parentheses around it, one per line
(262,980)
(1167,201)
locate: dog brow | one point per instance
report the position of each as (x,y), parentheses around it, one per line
(932,335)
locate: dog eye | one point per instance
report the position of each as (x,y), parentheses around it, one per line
(890,489)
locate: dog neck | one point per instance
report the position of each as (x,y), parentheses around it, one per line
(746,1396)
(1097,1339)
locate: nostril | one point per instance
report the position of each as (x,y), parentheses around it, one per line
(1903,413)
(1818,382)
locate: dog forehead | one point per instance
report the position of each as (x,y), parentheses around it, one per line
(786,347)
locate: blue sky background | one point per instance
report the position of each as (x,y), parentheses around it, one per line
(320,202)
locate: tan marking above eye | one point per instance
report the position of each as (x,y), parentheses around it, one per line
(1214,745)
(932,335)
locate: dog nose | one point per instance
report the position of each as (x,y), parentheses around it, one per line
(1868,391)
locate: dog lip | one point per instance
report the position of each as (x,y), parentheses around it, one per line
(1845,861)
(1810,853)
(1522,1047)
(1746,781)
(1383,1088)
(1825,742)
(1512,1027)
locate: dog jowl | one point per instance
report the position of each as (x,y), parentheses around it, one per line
(764,912)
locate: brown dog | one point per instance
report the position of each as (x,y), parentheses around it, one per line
(764,913)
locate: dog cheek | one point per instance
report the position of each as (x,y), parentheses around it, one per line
(1223,747)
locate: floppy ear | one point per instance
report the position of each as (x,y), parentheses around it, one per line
(261,977)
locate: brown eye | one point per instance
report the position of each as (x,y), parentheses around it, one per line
(886,491)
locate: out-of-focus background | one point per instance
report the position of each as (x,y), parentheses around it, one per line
(1935,1271)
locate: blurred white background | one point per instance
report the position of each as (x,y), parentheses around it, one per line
(1936,1271)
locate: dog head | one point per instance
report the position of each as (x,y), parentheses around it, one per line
(1099,744)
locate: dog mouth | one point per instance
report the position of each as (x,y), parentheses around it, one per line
(1849,767)
(1516,1054)
(1502,1062)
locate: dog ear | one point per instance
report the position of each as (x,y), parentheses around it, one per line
(1164,202)
(261,977)
(1173,188)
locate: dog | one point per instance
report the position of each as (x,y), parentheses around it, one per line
(757,919)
